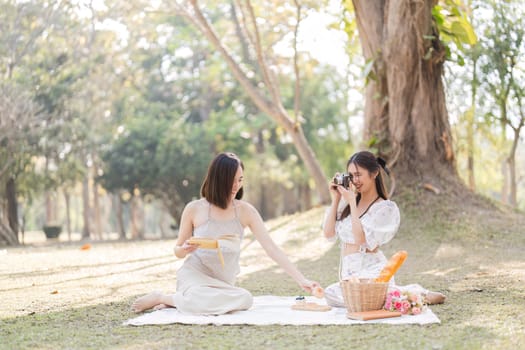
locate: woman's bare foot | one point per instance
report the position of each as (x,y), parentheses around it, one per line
(147,302)
(160,307)
(433,298)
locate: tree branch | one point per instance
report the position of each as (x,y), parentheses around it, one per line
(266,74)
(297,90)
(237,71)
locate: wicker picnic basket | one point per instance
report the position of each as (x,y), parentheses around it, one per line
(365,295)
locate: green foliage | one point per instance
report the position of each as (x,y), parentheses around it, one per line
(128,162)
(454,28)
(182,159)
(453,23)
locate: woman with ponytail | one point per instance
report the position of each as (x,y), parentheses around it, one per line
(363,218)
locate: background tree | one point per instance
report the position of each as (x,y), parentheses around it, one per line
(257,76)
(503,47)
(22,26)
(405,112)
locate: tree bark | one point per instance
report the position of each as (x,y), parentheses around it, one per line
(67,200)
(137,217)
(6,234)
(12,208)
(120,219)
(513,195)
(85,210)
(96,207)
(405,105)
(470,127)
(505,184)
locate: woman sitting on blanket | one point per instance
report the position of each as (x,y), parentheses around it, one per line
(363,218)
(206,280)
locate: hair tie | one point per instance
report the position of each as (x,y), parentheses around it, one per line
(382,162)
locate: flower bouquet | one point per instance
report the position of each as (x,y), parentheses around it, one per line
(408,303)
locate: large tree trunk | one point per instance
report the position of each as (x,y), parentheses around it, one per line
(471,116)
(137,217)
(67,200)
(405,106)
(12,208)
(120,220)
(85,210)
(511,160)
(7,235)
(96,208)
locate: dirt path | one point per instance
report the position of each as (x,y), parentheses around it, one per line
(47,277)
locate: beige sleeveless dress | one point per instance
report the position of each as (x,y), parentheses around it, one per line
(204,285)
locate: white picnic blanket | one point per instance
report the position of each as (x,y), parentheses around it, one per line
(273,310)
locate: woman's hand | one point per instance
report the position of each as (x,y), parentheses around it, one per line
(333,189)
(309,286)
(186,248)
(349,194)
(189,247)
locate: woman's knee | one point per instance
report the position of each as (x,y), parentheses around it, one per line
(245,299)
(334,296)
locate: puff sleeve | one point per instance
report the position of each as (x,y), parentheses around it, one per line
(381,224)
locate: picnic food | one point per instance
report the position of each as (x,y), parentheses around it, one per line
(392,266)
(208,243)
(204,243)
(304,306)
(318,292)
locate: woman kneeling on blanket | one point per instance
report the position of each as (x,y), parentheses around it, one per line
(363,220)
(206,280)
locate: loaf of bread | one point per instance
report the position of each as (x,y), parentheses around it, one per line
(392,266)
(204,243)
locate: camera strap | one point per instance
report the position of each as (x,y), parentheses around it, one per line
(369,205)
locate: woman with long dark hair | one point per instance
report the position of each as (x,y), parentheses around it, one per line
(363,218)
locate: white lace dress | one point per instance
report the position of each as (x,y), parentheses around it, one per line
(380,224)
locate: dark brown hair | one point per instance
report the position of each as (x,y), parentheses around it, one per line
(218,184)
(367,160)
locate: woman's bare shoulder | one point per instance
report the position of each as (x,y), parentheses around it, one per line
(246,209)
(196,205)
(244,205)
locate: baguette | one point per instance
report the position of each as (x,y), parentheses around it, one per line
(311,307)
(392,266)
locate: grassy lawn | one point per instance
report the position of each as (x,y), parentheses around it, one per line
(56,296)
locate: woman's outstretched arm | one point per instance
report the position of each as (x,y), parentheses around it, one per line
(256,225)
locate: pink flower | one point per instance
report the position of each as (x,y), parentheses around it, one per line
(398,305)
(404,302)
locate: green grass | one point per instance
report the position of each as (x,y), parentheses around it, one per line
(472,252)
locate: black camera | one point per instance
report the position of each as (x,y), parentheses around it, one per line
(343,180)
